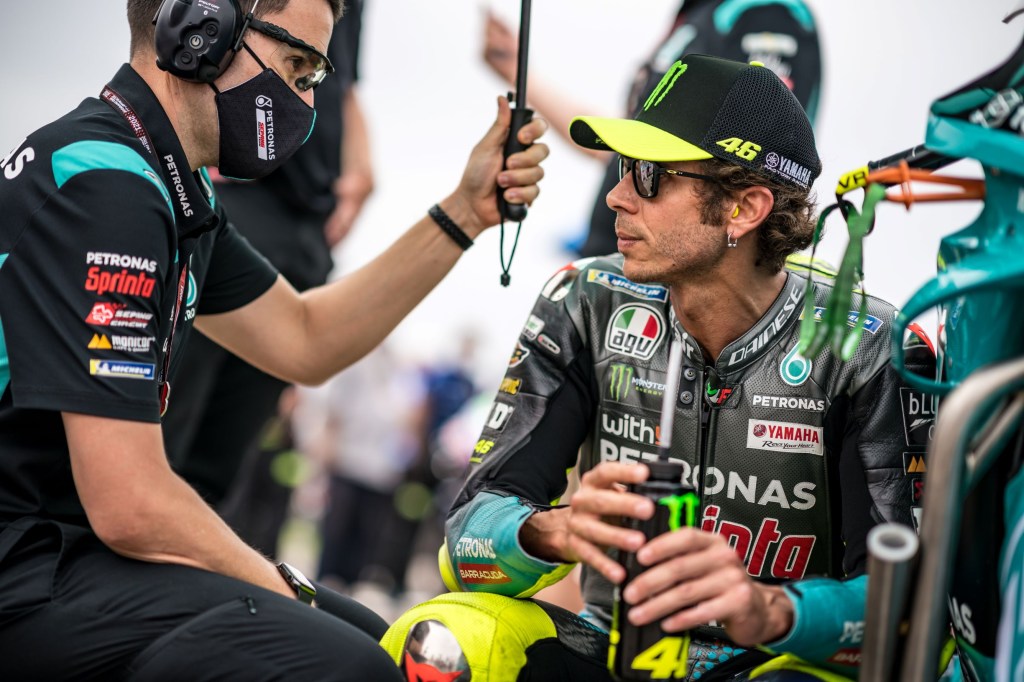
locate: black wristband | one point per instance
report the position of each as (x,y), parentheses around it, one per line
(449,227)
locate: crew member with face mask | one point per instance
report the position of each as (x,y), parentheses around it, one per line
(112,248)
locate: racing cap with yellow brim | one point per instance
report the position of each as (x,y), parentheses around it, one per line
(708,107)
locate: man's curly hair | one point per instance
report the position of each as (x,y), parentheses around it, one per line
(787,229)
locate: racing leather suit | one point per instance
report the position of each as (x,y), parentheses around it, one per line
(794,459)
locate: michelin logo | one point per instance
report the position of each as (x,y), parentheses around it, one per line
(610,280)
(122,370)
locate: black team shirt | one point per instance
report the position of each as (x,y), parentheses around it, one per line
(95,230)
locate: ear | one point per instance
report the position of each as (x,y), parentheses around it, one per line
(753,205)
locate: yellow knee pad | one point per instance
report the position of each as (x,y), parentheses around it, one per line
(493,633)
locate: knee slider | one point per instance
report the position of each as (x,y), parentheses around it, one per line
(486,635)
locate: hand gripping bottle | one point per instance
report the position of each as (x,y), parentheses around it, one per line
(647,652)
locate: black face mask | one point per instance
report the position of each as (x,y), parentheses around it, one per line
(262,123)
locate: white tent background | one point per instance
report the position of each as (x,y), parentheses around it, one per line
(428,98)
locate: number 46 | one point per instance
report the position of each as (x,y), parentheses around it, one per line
(741,148)
(665,658)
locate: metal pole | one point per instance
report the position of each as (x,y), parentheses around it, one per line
(941,514)
(524,53)
(892,548)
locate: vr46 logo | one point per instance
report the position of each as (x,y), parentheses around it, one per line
(666,658)
(741,148)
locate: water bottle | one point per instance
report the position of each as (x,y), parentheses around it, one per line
(647,652)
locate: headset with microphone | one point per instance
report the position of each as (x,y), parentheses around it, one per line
(196,40)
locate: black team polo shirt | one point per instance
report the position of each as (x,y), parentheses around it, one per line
(94,231)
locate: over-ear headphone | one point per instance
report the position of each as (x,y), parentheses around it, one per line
(196,40)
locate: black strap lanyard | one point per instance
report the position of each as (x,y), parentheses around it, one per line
(121,105)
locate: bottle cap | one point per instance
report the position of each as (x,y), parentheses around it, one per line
(662,470)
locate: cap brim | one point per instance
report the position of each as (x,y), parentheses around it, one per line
(634,139)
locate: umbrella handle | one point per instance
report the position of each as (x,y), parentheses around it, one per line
(514,212)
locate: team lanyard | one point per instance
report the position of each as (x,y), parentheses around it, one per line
(122,106)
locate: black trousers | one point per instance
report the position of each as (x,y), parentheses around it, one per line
(70,609)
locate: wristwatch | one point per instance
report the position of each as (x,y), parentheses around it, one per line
(304,589)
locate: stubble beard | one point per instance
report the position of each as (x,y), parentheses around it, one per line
(681,260)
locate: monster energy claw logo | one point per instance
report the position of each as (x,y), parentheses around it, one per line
(665,85)
(621,380)
(676,504)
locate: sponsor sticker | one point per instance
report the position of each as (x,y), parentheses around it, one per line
(719,395)
(783,402)
(787,168)
(121,282)
(913,463)
(624,379)
(128,344)
(631,428)
(191,295)
(616,282)
(100,342)
(561,282)
(511,386)
(917,490)
(534,326)
(519,355)
(768,551)
(784,437)
(482,574)
(117,315)
(872,324)
(475,548)
(178,185)
(795,369)
(16,160)
(119,260)
(122,370)
(918,416)
(499,416)
(635,330)
(549,345)
(265,147)
(846,657)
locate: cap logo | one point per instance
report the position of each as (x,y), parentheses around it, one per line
(665,85)
(788,169)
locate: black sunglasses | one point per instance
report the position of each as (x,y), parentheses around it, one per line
(647,174)
(315,67)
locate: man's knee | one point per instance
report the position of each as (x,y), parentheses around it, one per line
(489,635)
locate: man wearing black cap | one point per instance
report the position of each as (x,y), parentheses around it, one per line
(794,458)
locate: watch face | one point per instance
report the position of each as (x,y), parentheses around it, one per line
(304,589)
